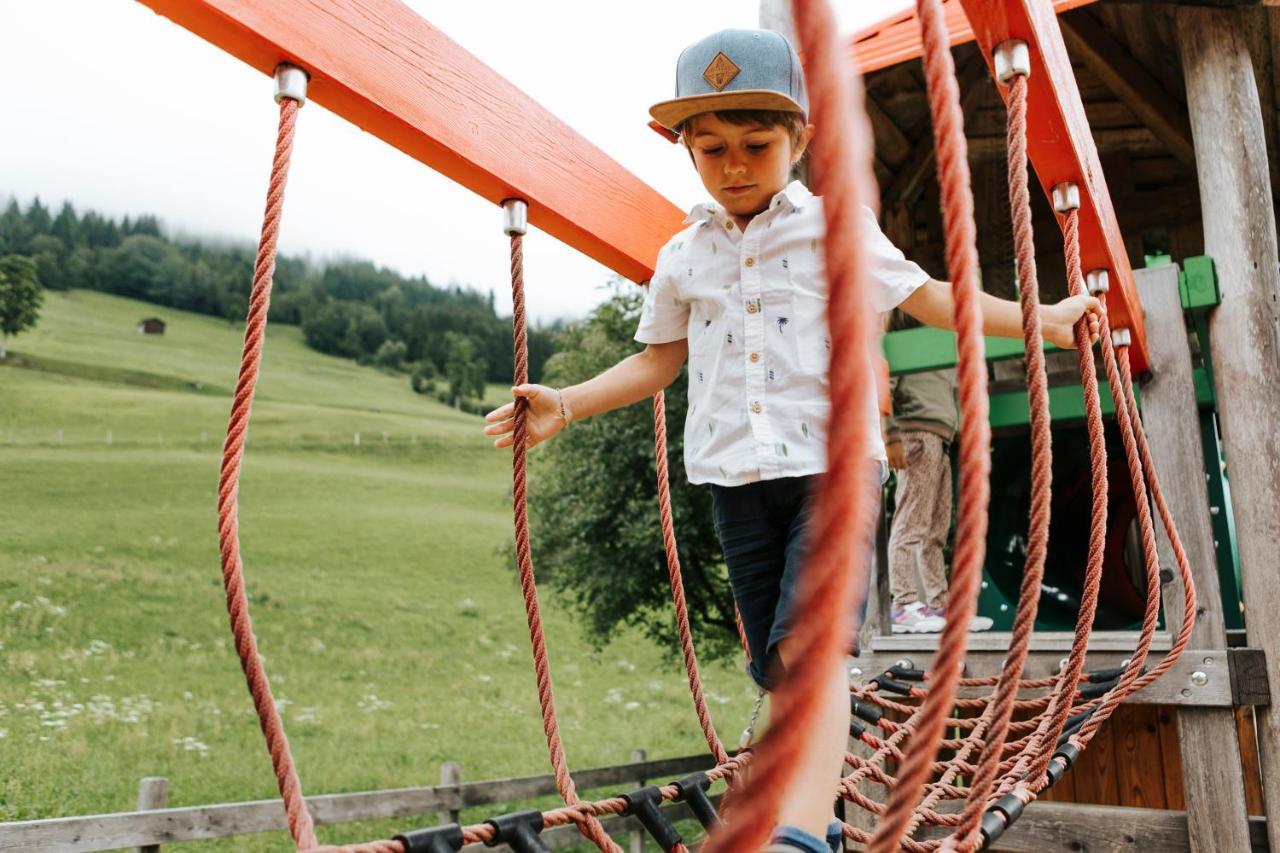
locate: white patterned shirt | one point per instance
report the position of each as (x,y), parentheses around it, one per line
(753,306)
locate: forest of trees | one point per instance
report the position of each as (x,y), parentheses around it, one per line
(347,308)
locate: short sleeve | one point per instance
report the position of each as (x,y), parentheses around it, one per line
(665,315)
(894,277)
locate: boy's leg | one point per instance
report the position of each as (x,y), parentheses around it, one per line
(808,805)
(754,546)
(933,567)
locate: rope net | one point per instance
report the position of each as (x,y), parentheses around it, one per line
(938,760)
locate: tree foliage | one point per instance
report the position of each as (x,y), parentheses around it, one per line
(594,510)
(20,297)
(347,307)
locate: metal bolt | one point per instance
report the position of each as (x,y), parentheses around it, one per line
(1208,661)
(291,82)
(1121,338)
(1186,692)
(985,584)
(1012,58)
(1213,510)
(515,217)
(1124,664)
(1066,196)
(1199,679)
(905,663)
(1004,608)
(1098,281)
(1062,664)
(855,672)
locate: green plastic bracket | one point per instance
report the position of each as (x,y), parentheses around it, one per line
(1198,283)
(1159,259)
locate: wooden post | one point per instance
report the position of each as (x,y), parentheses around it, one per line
(1217,817)
(1240,236)
(451,774)
(637,835)
(152,793)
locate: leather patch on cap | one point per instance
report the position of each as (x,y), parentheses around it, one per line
(720,72)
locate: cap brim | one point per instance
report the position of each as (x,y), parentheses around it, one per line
(671,114)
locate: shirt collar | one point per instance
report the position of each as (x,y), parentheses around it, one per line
(794,194)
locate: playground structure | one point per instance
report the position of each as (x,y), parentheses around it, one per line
(364,87)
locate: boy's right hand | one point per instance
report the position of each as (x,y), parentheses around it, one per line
(546,416)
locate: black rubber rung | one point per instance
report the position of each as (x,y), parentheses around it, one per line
(693,790)
(1054,773)
(435,839)
(519,831)
(646,804)
(1068,752)
(865,710)
(907,674)
(1101,675)
(857,730)
(892,685)
(1011,807)
(1093,691)
(993,826)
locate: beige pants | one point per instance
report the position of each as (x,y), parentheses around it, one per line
(921,519)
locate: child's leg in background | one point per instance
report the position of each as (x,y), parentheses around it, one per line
(933,568)
(915,519)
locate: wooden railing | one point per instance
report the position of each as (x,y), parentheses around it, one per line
(149,827)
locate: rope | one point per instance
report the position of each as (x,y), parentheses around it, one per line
(300,826)
(975,436)
(589,826)
(837,569)
(1041,462)
(677,582)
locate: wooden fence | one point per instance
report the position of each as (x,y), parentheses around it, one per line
(152,825)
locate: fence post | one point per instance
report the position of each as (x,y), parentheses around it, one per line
(152,793)
(637,835)
(451,774)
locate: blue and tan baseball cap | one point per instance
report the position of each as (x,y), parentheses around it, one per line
(735,70)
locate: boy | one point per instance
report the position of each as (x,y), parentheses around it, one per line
(741,292)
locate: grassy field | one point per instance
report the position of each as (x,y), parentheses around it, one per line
(392,627)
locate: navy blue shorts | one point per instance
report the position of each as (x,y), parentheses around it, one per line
(763,528)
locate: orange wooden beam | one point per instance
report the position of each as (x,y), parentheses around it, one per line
(1061,146)
(379,65)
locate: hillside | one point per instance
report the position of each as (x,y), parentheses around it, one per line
(392,626)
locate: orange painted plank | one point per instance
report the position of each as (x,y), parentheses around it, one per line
(1061,146)
(897,38)
(379,65)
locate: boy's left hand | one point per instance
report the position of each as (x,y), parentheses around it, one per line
(1058,321)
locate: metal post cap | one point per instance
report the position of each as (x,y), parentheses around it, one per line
(515,217)
(1012,58)
(291,82)
(1098,281)
(1066,196)
(1121,338)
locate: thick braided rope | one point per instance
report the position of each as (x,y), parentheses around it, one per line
(975,435)
(1041,464)
(837,569)
(677,581)
(1060,708)
(590,827)
(300,826)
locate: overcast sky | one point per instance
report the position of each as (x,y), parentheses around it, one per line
(110,106)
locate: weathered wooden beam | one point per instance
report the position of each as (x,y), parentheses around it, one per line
(193,823)
(892,145)
(908,180)
(1218,818)
(1047,826)
(1061,147)
(1240,236)
(380,66)
(1216,690)
(1130,82)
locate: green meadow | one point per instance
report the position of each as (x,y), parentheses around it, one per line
(374,528)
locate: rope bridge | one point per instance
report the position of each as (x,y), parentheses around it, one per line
(1007,738)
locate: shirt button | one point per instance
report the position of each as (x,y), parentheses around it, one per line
(751,308)
(755,356)
(751,262)
(755,407)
